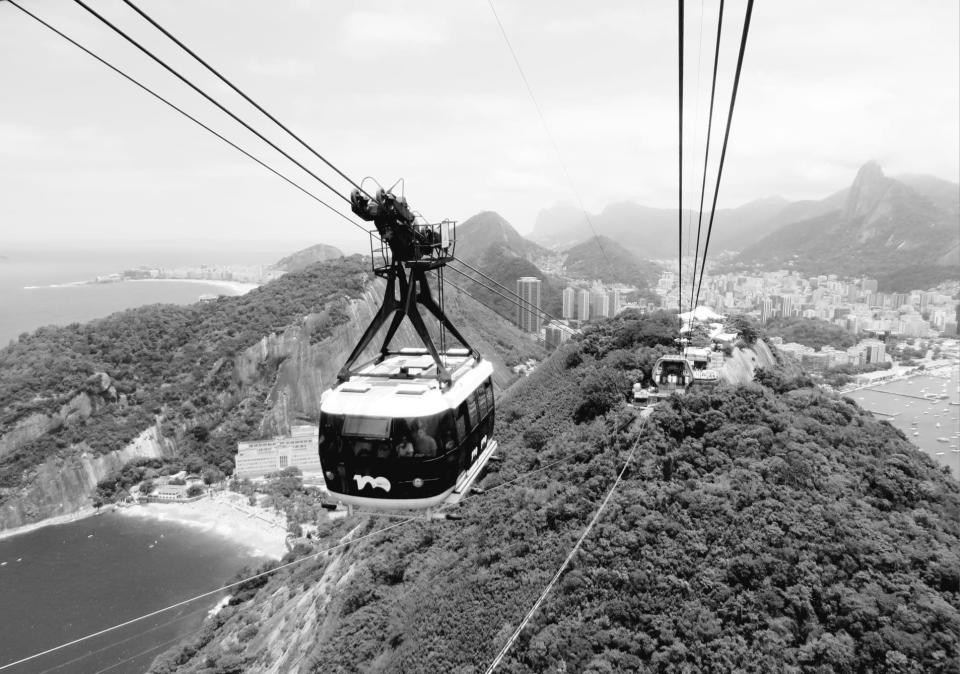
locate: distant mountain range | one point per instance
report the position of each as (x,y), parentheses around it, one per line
(878,226)
(881,226)
(489,243)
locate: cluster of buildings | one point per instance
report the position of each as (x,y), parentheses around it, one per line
(256,458)
(597,301)
(239,273)
(579,306)
(856,306)
(866,351)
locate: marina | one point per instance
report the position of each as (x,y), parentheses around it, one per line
(928,414)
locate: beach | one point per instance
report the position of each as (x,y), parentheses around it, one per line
(233,287)
(83,513)
(261,532)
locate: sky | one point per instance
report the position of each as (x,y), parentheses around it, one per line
(428,91)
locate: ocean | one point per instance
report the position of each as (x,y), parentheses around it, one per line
(40,283)
(62,582)
(932,425)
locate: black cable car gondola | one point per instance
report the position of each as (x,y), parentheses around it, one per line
(412,428)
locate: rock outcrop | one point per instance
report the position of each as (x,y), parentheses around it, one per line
(740,366)
(309,356)
(65,484)
(99,391)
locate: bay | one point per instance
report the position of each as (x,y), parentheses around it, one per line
(63,582)
(41,284)
(925,422)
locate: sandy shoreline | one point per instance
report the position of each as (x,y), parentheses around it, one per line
(218,517)
(261,532)
(53,521)
(233,287)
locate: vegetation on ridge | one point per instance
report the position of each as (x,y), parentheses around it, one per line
(765,527)
(174,361)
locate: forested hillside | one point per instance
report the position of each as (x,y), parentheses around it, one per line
(208,373)
(766,527)
(605,259)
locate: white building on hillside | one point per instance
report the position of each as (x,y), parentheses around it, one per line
(256,458)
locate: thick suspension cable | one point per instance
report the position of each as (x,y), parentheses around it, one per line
(680,163)
(546,128)
(203,595)
(726,138)
(186,114)
(241,93)
(706,151)
(566,562)
(207,96)
(497,283)
(696,126)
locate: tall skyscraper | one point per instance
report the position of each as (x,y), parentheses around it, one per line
(528,311)
(599,303)
(569,303)
(616,301)
(583,305)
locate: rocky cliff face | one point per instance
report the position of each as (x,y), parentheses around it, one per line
(310,356)
(65,484)
(78,409)
(739,367)
(291,368)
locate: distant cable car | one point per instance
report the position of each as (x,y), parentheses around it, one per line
(412,428)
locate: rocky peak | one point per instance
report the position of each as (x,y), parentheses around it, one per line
(868,189)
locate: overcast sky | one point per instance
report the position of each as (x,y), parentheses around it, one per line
(428,91)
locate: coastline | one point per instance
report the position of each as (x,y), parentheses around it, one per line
(234,287)
(261,531)
(81,514)
(218,516)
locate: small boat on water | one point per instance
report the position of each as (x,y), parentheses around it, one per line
(937,424)
(915,434)
(943,439)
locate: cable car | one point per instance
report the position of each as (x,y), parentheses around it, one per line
(675,373)
(411,428)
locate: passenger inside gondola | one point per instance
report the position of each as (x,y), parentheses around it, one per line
(403,438)
(423,444)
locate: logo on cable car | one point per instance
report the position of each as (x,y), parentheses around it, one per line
(365,480)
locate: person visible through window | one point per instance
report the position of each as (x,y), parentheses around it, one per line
(405,443)
(423,444)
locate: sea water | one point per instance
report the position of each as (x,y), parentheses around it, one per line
(933,425)
(63,582)
(43,284)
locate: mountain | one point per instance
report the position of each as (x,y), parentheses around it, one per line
(302,259)
(764,527)
(644,230)
(489,243)
(605,259)
(182,384)
(881,226)
(477,234)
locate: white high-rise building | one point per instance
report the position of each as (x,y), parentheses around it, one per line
(569,303)
(583,305)
(599,303)
(259,457)
(528,311)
